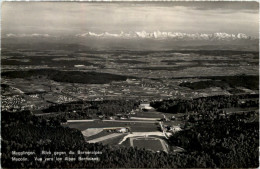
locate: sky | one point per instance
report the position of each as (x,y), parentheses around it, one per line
(70,18)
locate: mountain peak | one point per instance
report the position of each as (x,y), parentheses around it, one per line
(168,35)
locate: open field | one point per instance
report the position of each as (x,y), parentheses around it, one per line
(114,141)
(142,134)
(148,143)
(96,124)
(100,139)
(91,132)
(103,133)
(148,114)
(135,127)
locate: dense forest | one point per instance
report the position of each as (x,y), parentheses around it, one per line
(67,76)
(229,142)
(201,52)
(217,52)
(225,82)
(38,60)
(90,109)
(206,104)
(226,142)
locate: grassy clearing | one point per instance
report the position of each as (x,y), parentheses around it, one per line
(148,144)
(135,127)
(91,132)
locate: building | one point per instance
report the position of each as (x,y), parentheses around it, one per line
(122,130)
(145,106)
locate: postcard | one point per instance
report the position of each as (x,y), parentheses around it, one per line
(130,84)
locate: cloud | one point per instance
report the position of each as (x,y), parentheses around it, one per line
(69,17)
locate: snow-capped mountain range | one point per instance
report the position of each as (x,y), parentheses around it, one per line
(168,35)
(150,35)
(9,35)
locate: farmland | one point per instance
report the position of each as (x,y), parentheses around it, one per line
(132,99)
(84,84)
(141,75)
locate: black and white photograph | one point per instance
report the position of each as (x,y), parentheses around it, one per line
(129,84)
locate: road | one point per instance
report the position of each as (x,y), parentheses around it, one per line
(74,121)
(130,121)
(142,118)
